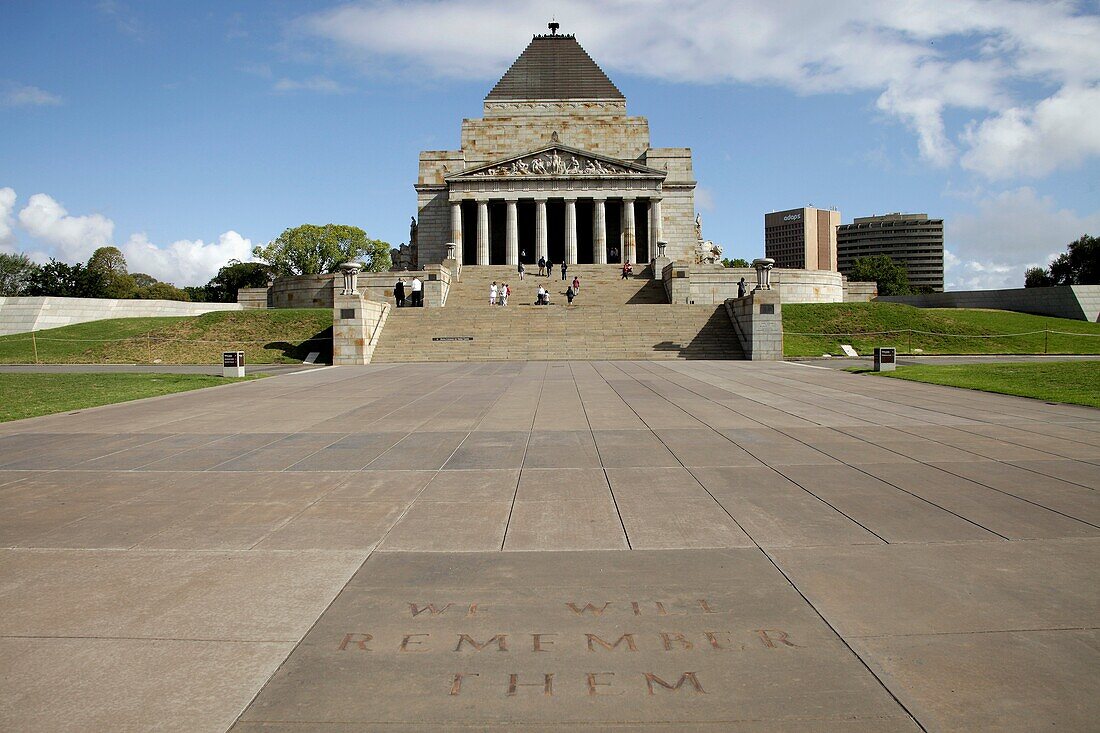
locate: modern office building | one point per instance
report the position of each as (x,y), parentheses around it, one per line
(802,238)
(912,240)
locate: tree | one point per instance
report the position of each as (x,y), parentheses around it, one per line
(1078,265)
(1037,277)
(64,280)
(892,278)
(312,250)
(736,262)
(235,275)
(111,264)
(161,291)
(16,270)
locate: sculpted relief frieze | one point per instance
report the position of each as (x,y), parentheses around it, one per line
(554,164)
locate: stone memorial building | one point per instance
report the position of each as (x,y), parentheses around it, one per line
(555,168)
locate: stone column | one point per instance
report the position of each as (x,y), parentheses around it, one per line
(571,231)
(599,232)
(630,252)
(511,240)
(540,228)
(482,232)
(656,230)
(456,229)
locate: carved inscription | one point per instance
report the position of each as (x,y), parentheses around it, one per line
(678,642)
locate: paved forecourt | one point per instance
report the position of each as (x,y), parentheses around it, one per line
(681,545)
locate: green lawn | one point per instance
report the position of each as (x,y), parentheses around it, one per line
(968,331)
(266,337)
(1075,382)
(30,395)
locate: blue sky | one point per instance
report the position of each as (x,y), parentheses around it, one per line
(184,133)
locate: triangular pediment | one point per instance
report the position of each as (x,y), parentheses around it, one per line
(559,161)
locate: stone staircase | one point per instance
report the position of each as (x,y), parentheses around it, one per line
(600,285)
(528,332)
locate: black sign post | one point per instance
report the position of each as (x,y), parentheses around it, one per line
(885,358)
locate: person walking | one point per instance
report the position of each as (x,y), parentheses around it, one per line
(564,269)
(542,266)
(417,292)
(577,285)
(522,270)
(569,294)
(399,293)
(549,268)
(493,293)
(627,270)
(504,292)
(742,288)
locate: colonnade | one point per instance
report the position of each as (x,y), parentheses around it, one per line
(599,228)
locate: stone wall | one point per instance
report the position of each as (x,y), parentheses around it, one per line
(758,321)
(356,327)
(1080,302)
(303,291)
(378,286)
(714,284)
(22,314)
(252,298)
(858,292)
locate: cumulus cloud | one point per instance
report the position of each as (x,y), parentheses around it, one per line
(321,84)
(922,60)
(75,236)
(56,233)
(7,206)
(185,262)
(23,95)
(1006,234)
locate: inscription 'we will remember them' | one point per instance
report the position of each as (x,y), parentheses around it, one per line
(661,645)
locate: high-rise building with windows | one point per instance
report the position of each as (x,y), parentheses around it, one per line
(911,240)
(803,239)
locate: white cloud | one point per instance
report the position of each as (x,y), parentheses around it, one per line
(321,84)
(7,207)
(1009,232)
(24,95)
(185,262)
(1060,131)
(985,57)
(75,236)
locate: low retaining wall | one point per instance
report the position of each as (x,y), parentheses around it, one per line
(303,291)
(714,285)
(22,314)
(356,327)
(1080,302)
(758,322)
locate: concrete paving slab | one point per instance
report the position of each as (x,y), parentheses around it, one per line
(1003,681)
(776,512)
(892,514)
(138,685)
(837,466)
(949,588)
(472,651)
(241,596)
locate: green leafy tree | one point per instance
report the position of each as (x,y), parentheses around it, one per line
(1079,264)
(235,275)
(161,291)
(892,278)
(141,280)
(64,280)
(197,293)
(16,271)
(312,250)
(736,262)
(1037,277)
(111,264)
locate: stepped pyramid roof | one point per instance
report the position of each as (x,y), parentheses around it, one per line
(554,67)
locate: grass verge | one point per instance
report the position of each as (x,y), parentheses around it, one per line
(1073,382)
(31,395)
(969,331)
(266,336)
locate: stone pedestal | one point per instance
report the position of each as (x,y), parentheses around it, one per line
(356,325)
(758,321)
